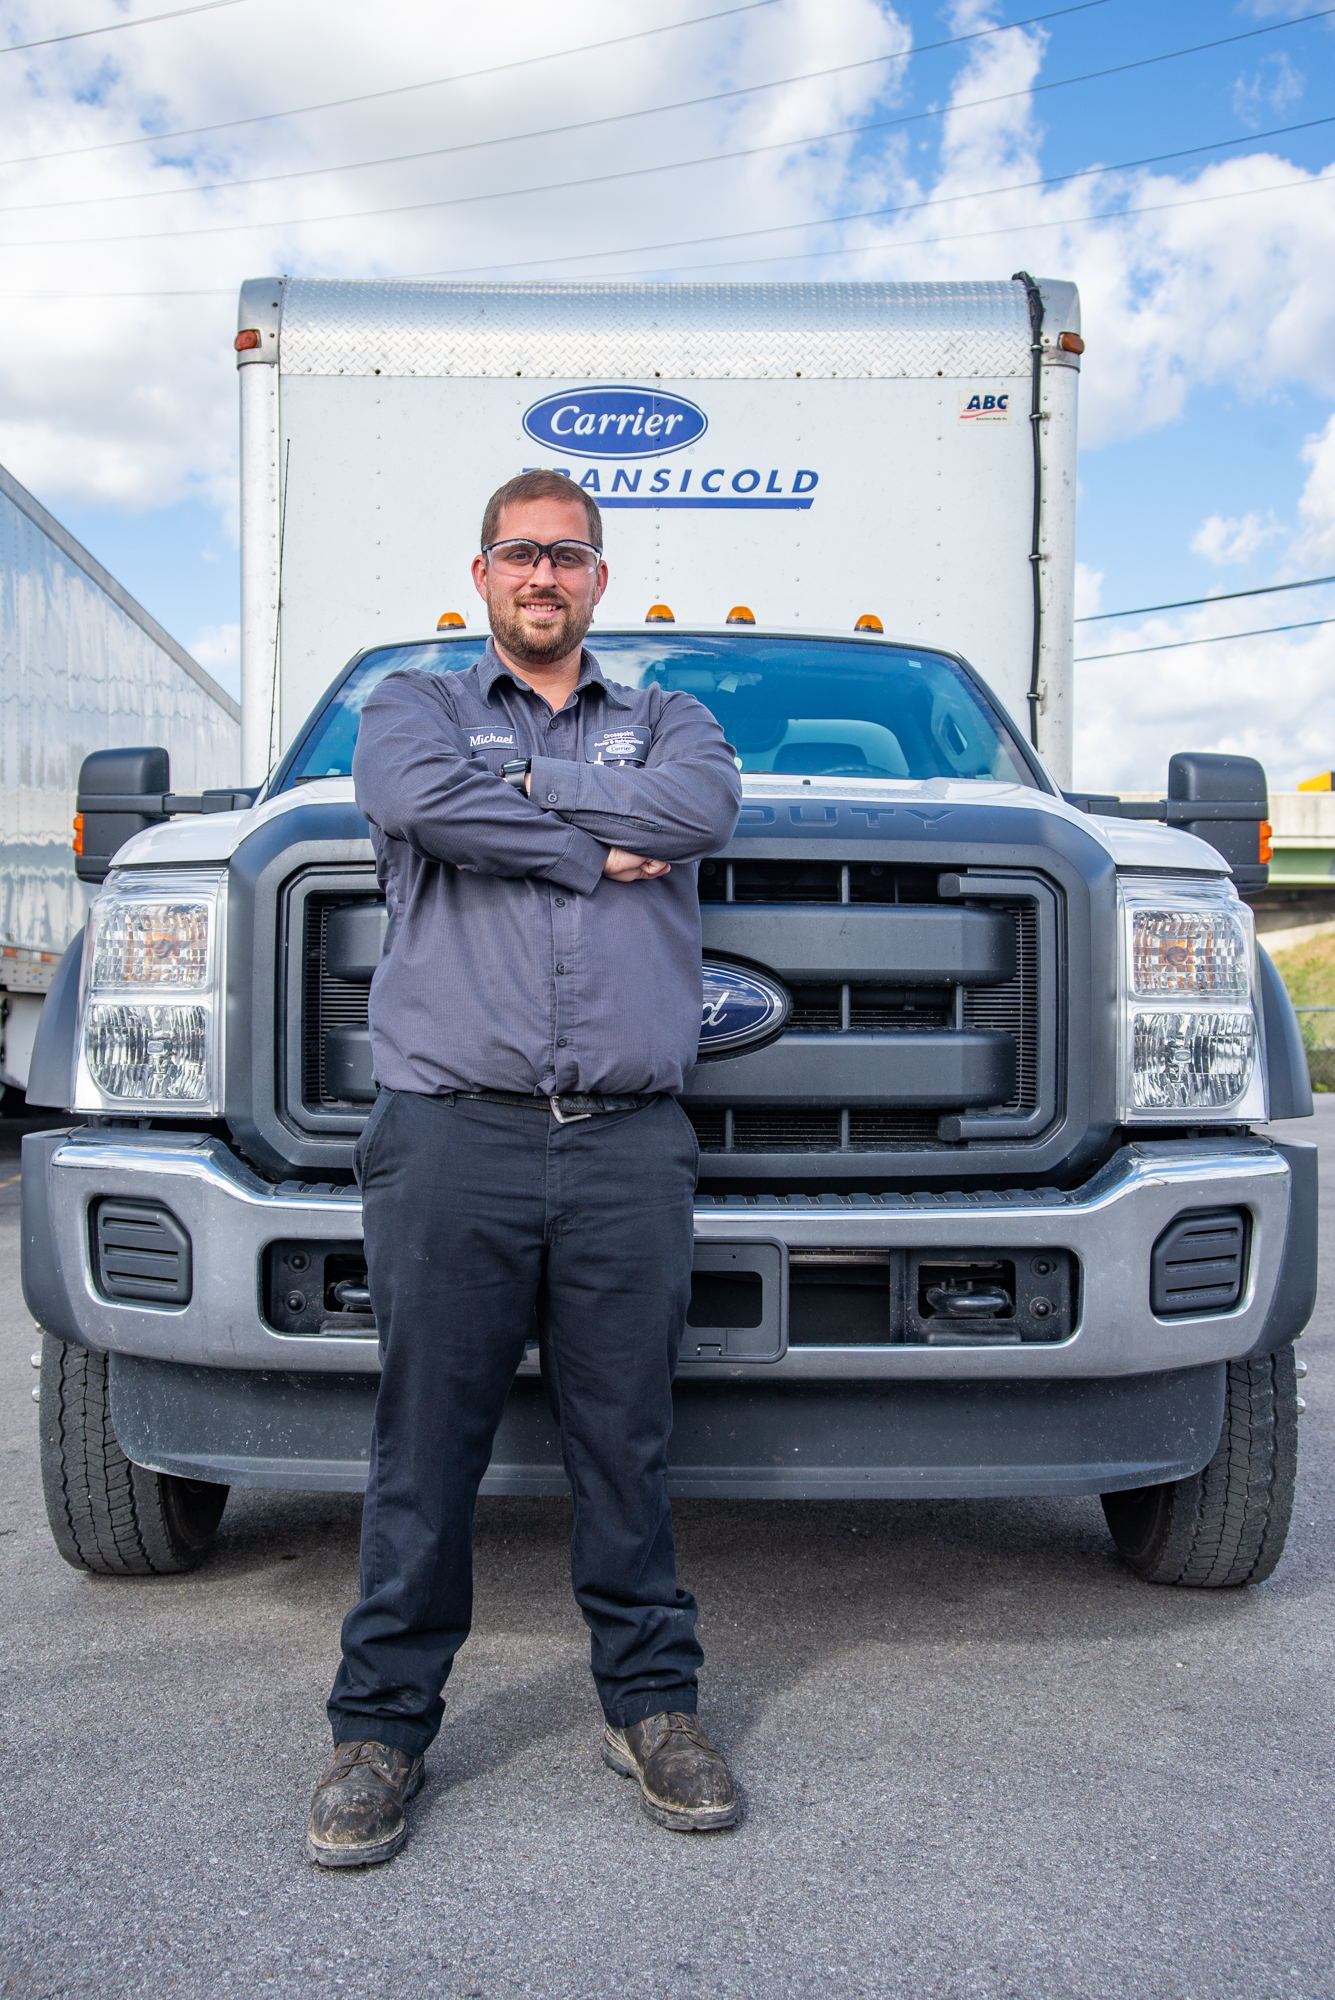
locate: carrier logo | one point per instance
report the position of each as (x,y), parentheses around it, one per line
(615,422)
(741,1008)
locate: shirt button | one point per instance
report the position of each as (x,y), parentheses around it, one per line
(560,1041)
(552,797)
(560,902)
(560,968)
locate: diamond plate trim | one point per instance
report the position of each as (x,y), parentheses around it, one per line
(602,332)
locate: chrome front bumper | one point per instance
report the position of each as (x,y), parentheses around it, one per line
(231,1214)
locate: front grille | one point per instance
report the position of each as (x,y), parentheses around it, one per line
(334,1052)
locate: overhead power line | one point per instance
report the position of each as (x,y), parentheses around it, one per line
(113,27)
(634,173)
(1221,597)
(469,76)
(1177,645)
(781,257)
(875,214)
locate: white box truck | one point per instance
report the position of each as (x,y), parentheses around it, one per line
(987,1203)
(82,668)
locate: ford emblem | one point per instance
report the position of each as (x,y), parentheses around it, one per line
(615,422)
(741,1008)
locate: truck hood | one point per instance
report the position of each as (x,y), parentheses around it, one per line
(214,837)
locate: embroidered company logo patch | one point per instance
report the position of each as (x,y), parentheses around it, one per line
(491,739)
(615,422)
(619,746)
(985,407)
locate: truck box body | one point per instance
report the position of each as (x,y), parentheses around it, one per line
(983,1202)
(810,441)
(82,668)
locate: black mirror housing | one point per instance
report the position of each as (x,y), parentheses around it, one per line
(132,783)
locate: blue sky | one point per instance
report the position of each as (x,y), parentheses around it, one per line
(1209,458)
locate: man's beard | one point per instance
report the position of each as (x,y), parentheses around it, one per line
(538,649)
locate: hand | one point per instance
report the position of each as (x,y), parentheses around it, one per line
(623,867)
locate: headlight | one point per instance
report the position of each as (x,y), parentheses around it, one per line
(1191,1039)
(151,1005)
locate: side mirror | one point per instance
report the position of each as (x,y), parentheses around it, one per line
(1223,800)
(120,793)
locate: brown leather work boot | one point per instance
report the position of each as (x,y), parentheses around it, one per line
(684,1782)
(357,1812)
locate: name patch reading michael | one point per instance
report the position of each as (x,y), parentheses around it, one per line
(491,739)
(618,746)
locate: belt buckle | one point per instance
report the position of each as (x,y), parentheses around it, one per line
(567,1118)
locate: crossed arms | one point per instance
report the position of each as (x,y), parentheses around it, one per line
(417,781)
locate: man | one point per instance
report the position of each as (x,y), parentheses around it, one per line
(536,1008)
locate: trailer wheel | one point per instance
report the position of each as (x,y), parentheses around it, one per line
(1227,1524)
(105,1513)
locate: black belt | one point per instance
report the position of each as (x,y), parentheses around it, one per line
(566,1110)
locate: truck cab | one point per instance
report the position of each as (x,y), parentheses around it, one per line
(986,1206)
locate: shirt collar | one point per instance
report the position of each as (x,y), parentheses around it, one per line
(491,667)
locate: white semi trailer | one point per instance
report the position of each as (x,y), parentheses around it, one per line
(82,668)
(811,451)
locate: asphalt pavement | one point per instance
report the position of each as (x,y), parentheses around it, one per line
(979,1758)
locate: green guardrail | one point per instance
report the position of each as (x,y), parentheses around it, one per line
(1318,1030)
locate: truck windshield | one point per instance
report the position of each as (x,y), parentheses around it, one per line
(808,707)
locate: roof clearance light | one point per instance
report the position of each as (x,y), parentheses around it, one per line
(1070,343)
(869,622)
(741,615)
(1265,852)
(448,620)
(77,842)
(250,338)
(659,614)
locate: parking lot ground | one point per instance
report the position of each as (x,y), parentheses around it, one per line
(979,1758)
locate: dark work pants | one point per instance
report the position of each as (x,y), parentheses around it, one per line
(474,1215)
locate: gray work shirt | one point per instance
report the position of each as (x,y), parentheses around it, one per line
(511,962)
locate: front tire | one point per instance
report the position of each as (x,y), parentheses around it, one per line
(1225,1526)
(106,1514)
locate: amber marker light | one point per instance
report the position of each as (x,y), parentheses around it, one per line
(77,842)
(1070,343)
(1265,851)
(448,621)
(249,338)
(659,614)
(741,615)
(869,622)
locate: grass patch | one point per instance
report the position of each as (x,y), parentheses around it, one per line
(1308,970)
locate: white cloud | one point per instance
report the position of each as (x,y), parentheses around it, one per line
(1316,507)
(218,650)
(1222,539)
(1271,698)
(1270,89)
(1088,591)
(132,400)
